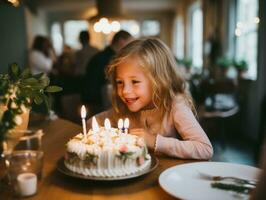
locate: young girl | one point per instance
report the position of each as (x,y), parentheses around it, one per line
(148,89)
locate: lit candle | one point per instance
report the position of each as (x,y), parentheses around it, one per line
(107,124)
(126,125)
(120,125)
(27,184)
(95,126)
(83,117)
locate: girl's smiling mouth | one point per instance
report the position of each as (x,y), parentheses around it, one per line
(130,101)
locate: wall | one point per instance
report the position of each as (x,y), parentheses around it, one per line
(259,91)
(99,40)
(36,25)
(166,19)
(180,11)
(13,39)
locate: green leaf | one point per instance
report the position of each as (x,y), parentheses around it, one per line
(30,81)
(53,88)
(38,76)
(25,74)
(13,71)
(44,81)
(36,88)
(38,99)
(47,102)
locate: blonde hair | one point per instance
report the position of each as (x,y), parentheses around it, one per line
(156,59)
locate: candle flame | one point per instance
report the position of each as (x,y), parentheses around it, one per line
(126,123)
(107,124)
(95,126)
(83,112)
(120,124)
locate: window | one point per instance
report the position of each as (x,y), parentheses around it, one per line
(131,26)
(57,40)
(179,38)
(196,35)
(141,28)
(150,28)
(246,33)
(69,35)
(72,30)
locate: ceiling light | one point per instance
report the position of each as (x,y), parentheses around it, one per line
(106,20)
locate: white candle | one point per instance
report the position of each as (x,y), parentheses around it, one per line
(120,125)
(27,184)
(83,117)
(95,126)
(107,124)
(126,125)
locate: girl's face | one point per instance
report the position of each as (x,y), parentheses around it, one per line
(133,85)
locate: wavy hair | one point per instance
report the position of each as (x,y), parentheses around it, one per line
(158,63)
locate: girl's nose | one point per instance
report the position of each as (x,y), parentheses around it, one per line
(127,89)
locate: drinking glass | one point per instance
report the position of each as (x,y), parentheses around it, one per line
(24,161)
(23,140)
(24,171)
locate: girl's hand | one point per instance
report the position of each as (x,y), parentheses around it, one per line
(149,138)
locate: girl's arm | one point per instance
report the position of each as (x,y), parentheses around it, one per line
(194,144)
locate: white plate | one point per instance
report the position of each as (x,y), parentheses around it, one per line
(184,181)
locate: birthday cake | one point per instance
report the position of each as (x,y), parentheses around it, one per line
(106,153)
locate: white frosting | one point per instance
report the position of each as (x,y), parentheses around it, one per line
(113,154)
(108,166)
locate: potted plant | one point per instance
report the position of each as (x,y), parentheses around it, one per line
(186,62)
(241,66)
(224,63)
(19,89)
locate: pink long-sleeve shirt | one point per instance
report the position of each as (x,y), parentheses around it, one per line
(182,135)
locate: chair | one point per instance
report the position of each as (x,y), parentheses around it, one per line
(218,106)
(71,105)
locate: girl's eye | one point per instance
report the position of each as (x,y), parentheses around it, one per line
(118,82)
(135,81)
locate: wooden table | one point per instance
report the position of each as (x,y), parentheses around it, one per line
(56,186)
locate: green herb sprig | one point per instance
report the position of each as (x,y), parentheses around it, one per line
(124,155)
(239,188)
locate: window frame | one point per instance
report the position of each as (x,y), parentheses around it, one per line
(192,9)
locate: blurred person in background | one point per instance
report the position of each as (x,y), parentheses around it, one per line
(41,60)
(42,56)
(65,65)
(84,54)
(95,94)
